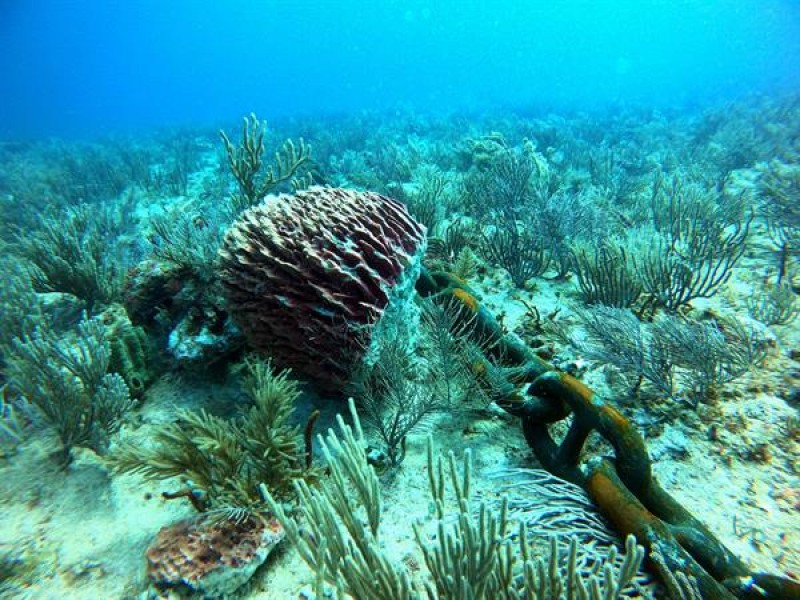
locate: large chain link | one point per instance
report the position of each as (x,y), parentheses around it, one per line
(622,486)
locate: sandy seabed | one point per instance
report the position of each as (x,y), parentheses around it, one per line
(83,532)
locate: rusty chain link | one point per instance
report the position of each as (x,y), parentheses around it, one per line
(623,487)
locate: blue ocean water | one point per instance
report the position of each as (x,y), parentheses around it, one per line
(95,66)
(543,209)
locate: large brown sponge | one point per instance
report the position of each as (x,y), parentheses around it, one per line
(307,275)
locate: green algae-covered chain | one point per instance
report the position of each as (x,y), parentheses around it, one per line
(623,488)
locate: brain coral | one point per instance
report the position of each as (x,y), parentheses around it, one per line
(306,275)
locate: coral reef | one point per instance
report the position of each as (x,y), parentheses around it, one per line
(17,570)
(247,164)
(67,380)
(673,356)
(132,352)
(779,191)
(606,275)
(19,303)
(15,416)
(202,337)
(775,305)
(74,253)
(307,274)
(182,312)
(699,237)
(225,460)
(211,556)
(471,554)
(625,248)
(151,289)
(409,375)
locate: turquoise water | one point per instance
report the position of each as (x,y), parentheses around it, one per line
(220,221)
(81,68)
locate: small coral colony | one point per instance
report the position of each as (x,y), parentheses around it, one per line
(632,274)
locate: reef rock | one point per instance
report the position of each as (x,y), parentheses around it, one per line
(211,556)
(201,337)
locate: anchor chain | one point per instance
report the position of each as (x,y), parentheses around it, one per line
(623,486)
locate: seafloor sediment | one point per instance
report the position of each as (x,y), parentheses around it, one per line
(79,529)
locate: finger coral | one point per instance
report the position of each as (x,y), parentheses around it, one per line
(307,274)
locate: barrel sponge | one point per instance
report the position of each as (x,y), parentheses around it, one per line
(307,275)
